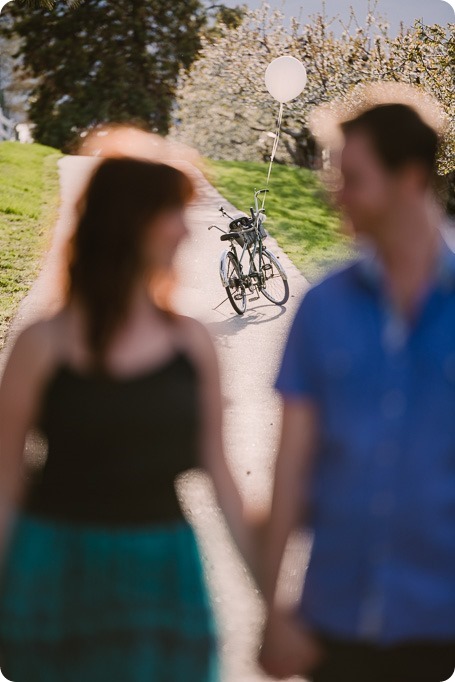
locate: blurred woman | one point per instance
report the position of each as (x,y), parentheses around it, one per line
(102,578)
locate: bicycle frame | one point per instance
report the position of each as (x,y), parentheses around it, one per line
(252,249)
(257,245)
(253,277)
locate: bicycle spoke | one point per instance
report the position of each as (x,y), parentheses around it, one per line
(273,285)
(236,288)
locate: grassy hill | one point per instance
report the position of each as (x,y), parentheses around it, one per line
(298,215)
(29,196)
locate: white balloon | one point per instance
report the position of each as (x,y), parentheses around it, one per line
(285,78)
(2,4)
(452,4)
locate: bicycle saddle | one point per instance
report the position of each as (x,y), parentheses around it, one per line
(231,235)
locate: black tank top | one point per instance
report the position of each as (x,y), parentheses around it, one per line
(115,445)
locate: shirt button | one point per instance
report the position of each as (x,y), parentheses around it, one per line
(382,503)
(371,615)
(394,335)
(393,403)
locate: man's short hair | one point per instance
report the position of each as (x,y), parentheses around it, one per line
(398,134)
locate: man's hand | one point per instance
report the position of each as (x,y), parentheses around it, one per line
(287,647)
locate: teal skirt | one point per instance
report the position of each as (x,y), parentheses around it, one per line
(82,603)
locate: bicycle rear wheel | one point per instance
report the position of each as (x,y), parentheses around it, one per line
(236,290)
(274,284)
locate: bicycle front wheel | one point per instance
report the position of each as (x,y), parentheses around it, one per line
(274,284)
(236,289)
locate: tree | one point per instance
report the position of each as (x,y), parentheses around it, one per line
(49,4)
(225,85)
(101,61)
(222,105)
(14,83)
(429,52)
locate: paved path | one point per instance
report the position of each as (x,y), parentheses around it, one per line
(249,349)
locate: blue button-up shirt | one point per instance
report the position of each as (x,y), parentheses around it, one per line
(382,501)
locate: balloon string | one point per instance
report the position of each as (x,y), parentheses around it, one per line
(274,148)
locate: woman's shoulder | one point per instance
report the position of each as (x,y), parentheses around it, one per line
(196,340)
(44,333)
(33,349)
(34,339)
(190,325)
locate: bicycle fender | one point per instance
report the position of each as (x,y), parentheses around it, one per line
(276,262)
(224,268)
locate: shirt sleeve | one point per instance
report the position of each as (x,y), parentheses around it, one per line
(297,375)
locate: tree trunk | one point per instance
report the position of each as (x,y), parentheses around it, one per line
(303,149)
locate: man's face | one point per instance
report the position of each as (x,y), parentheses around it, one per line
(369,193)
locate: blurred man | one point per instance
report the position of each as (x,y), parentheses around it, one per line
(367,453)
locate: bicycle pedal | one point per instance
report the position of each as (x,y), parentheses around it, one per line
(255,298)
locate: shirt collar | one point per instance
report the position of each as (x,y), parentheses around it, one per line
(371,269)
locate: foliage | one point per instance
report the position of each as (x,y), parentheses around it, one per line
(101,61)
(223,16)
(298,215)
(428,53)
(14,83)
(28,203)
(49,4)
(240,111)
(222,107)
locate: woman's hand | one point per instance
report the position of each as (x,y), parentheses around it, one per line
(288,648)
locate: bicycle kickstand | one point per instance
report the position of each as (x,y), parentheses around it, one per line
(216,307)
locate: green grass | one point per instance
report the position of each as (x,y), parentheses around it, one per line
(29,197)
(298,215)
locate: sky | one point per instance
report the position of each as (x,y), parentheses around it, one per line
(431,11)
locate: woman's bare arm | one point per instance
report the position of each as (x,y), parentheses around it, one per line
(240,520)
(291,484)
(19,402)
(288,648)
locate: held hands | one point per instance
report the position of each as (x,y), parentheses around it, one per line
(288,648)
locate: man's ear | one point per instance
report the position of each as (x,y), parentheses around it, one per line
(415,177)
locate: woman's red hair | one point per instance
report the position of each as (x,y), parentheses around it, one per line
(104,254)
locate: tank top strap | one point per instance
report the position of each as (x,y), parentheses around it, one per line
(176,339)
(180,348)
